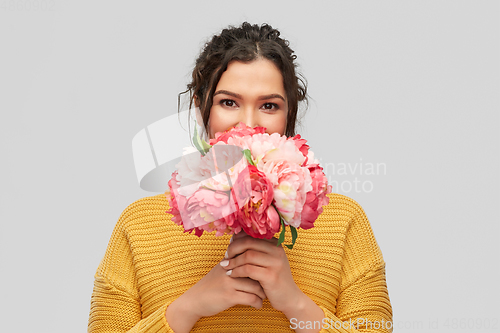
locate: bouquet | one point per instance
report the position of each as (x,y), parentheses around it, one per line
(247,179)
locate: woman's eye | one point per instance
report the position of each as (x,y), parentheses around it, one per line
(228,102)
(270,106)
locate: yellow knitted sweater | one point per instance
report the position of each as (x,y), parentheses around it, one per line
(150,262)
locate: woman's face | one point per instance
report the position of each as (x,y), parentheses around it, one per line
(252,93)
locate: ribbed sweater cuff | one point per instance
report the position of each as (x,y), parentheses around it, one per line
(156,322)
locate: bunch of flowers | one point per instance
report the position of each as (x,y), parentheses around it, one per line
(247,179)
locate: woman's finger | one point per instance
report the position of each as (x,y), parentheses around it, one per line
(249,299)
(249,286)
(249,257)
(243,244)
(260,274)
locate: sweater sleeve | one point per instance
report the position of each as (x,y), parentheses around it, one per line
(363,303)
(115,303)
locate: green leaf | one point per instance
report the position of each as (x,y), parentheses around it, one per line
(294,233)
(200,144)
(248,155)
(294,237)
(281,239)
(205,145)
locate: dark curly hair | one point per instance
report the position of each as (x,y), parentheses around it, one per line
(245,43)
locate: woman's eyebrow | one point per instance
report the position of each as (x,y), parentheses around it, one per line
(271,96)
(235,95)
(225,92)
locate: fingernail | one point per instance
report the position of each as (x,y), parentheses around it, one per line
(231,240)
(225,256)
(224,263)
(229,272)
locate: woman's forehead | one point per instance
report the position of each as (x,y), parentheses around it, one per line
(252,78)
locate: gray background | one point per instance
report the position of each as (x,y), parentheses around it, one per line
(411,85)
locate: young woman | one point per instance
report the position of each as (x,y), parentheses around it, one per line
(156,278)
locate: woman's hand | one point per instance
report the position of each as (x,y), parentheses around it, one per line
(261,260)
(214,293)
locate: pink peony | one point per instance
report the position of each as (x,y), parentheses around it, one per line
(177,205)
(291,184)
(316,198)
(199,195)
(301,146)
(239,130)
(287,151)
(257,216)
(221,161)
(205,210)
